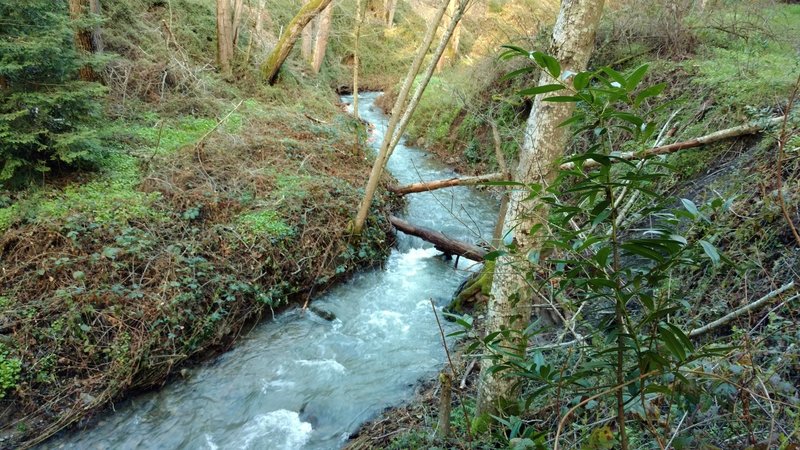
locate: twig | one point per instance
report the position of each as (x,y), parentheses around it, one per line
(721,135)
(727,318)
(677,429)
(467,371)
(784,138)
(563,420)
(453,369)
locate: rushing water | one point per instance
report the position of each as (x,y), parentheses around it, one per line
(300,381)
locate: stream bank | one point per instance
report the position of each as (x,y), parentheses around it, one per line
(301,381)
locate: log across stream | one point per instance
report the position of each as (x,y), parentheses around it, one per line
(300,381)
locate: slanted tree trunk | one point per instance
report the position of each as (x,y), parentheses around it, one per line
(389,8)
(510,305)
(397,124)
(321,39)
(289,37)
(87,40)
(385,150)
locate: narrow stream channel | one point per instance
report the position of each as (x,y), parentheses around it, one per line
(300,381)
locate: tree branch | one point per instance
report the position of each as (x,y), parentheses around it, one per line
(756,304)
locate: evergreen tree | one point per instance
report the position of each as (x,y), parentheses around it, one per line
(46,113)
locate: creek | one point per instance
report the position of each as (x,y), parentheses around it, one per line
(299,381)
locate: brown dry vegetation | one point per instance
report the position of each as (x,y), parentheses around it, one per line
(103,309)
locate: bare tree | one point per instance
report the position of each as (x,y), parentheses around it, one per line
(356,62)
(511,304)
(224,37)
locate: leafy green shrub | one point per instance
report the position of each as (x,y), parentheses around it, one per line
(632,357)
(44,112)
(9,371)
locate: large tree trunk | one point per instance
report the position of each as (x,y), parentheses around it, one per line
(289,36)
(389,8)
(87,40)
(224,37)
(510,305)
(321,40)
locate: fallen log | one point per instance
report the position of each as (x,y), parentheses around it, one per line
(717,136)
(450,182)
(440,241)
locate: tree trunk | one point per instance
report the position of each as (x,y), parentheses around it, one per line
(389,8)
(238,7)
(321,40)
(307,43)
(87,40)
(510,305)
(440,241)
(426,186)
(359,19)
(399,104)
(289,36)
(224,37)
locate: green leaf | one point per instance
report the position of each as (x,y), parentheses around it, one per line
(616,76)
(516,73)
(636,77)
(581,80)
(672,343)
(562,99)
(710,251)
(691,207)
(552,65)
(543,89)
(652,91)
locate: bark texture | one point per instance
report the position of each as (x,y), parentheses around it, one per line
(510,304)
(224,37)
(321,40)
(389,8)
(441,242)
(87,40)
(426,186)
(289,37)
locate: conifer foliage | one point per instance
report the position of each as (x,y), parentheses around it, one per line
(46,113)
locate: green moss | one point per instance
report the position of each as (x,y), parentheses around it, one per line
(264,223)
